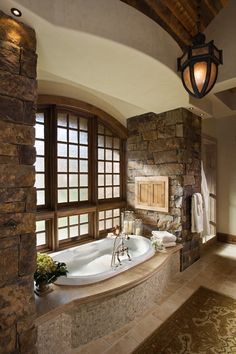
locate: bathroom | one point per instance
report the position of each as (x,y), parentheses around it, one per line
(94,138)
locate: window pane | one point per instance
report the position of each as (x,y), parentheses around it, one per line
(101,194)
(62,222)
(39,164)
(73,180)
(108,214)
(116,167)
(62,181)
(83,166)
(41,239)
(61,134)
(108,192)
(40,117)
(101,154)
(73,136)
(83,194)
(62,165)
(40,225)
(116,155)
(100,166)
(108,167)
(101,225)
(83,218)
(83,124)
(83,180)
(84,229)
(74,219)
(73,165)
(83,151)
(62,150)
(62,196)
(116,179)
(39,145)
(83,138)
(73,195)
(40,197)
(39,131)
(62,234)
(109,224)
(108,180)
(61,119)
(101,180)
(101,140)
(73,151)
(116,192)
(73,122)
(109,142)
(108,154)
(101,215)
(74,231)
(39,181)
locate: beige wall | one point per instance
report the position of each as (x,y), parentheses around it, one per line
(224,130)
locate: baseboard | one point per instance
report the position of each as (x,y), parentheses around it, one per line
(226,238)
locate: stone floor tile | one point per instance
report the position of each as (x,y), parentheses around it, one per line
(95,347)
(124,346)
(145,327)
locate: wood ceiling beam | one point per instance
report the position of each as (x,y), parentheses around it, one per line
(170,22)
(180,12)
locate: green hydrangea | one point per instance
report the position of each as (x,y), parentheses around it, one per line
(47,270)
(45,263)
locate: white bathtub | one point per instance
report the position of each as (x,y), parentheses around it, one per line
(91,262)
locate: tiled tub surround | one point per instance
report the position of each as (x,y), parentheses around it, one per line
(72,316)
(91,262)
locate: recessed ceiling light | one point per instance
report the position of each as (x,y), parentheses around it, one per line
(202,114)
(16,12)
(190,108)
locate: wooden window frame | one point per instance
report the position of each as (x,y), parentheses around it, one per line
(50,105)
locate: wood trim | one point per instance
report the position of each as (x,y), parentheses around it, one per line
(106,118)
(222,237)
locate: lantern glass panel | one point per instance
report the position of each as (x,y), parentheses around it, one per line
(200,73)
(187,80)
(200,51)
(213,75)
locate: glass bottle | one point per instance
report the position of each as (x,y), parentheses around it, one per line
(138,227)
(128,226)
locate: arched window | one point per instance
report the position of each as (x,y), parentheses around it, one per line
(80,172)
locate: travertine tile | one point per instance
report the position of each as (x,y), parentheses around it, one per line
(94,347)
(145,327)
(124,346)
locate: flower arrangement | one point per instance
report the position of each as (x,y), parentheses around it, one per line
(48,270)
(157,244)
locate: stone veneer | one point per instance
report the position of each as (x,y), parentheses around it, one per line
(84,322)
(168,144)
(17,194)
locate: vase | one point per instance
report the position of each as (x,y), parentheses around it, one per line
(43,289)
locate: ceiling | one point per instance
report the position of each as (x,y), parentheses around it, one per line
(179,17)
(108,54)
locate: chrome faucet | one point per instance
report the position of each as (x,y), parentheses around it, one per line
(119,249)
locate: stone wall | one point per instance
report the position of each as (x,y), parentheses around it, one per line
(17,194)
(168,144)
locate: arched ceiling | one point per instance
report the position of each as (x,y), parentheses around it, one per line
(179,17)
(108,54)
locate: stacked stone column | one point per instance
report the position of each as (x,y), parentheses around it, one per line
(17,194)
(168,144)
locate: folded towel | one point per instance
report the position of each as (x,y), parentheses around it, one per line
(165,236)
(169,244)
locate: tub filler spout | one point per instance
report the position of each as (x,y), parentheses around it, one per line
(119,249)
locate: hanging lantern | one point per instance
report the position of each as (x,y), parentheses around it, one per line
(199,66)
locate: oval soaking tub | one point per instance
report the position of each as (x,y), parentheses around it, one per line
(91,262)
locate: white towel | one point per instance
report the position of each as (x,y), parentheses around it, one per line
(165,236)
(205,199)
(169,244)
(197,213)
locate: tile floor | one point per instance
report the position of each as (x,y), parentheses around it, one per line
(216,270)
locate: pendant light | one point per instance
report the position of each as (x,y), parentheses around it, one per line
(199,64)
